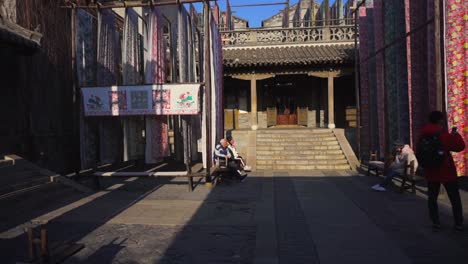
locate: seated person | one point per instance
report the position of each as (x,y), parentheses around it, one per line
(403,156)
(235,155)
(221,152)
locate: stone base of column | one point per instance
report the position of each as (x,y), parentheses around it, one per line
(331,126)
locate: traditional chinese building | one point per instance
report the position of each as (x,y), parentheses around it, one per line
(296,71)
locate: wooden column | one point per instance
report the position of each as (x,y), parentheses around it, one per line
(331,102)
(253,104)
(253,78)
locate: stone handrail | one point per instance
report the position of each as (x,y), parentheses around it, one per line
(302,35)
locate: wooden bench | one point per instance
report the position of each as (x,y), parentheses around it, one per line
(220,168)
(409,176)
(374,164)
(197,171)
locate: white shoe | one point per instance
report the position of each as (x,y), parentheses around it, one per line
(247,168)
(379,188)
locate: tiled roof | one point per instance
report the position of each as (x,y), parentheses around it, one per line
(15,35)
(288,55)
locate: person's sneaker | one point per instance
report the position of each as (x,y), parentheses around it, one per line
(378,188)
(459,227)
(242,179)
(436,227)
(247,168)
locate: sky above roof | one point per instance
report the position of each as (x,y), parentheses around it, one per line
(254,14)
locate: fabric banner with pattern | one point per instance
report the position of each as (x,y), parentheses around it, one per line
(110,130)
(157,130)
(456,48)
(86,69)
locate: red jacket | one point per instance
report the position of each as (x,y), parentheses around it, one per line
(451,142)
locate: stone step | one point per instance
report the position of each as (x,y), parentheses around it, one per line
(298,147)
(295,135)
(299,152)
(302,162)
(301,157)
(294,139)
(279,131)
(298,143)
(303,167)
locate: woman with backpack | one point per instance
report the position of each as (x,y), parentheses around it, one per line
(433,153)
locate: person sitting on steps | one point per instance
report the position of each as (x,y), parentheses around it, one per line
(402,156)
(235,155)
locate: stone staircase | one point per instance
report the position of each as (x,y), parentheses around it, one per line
(299,149)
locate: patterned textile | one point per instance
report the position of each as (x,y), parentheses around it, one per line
(379,74)
(371,68)
(416,50)
(131,61)
(216,83)
(431,63)
(110,140)
(186,55)
(110,129)
(85,51)
(85,66)
(216,14)
(229,22)
(107,49)
(131,49)
(396,73)
(364,89)
(182,43)
(157,130)
(456,48)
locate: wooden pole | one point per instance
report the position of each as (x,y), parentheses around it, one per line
(44,246)
(357,83)
(30,244)
(75,99)
(439,57)
(207,81)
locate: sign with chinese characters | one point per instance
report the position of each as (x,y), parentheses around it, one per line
(166,99)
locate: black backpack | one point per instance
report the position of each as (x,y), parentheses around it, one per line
(430,152)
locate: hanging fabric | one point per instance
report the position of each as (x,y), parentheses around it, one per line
(456,30)
(134,142)
(216,14)
(379,71)
(110,130)
(157,131)
(131,49)
(195,121)
(86,68)
(229,22)
(364,89)
(216,84)
(107,47)
(184,48)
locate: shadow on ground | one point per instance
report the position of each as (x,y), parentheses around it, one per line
(272,217)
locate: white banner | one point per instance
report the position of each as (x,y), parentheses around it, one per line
(166,99)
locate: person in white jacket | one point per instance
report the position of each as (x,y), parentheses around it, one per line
(404,155)
(235,155)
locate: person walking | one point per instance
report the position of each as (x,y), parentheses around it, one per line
(433,151)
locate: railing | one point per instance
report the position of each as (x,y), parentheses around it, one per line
(299,35)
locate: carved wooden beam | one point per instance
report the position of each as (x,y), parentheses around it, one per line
(248,77)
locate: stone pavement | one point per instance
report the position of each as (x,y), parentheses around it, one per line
(272,217)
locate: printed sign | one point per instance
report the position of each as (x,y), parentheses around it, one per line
(167,99)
